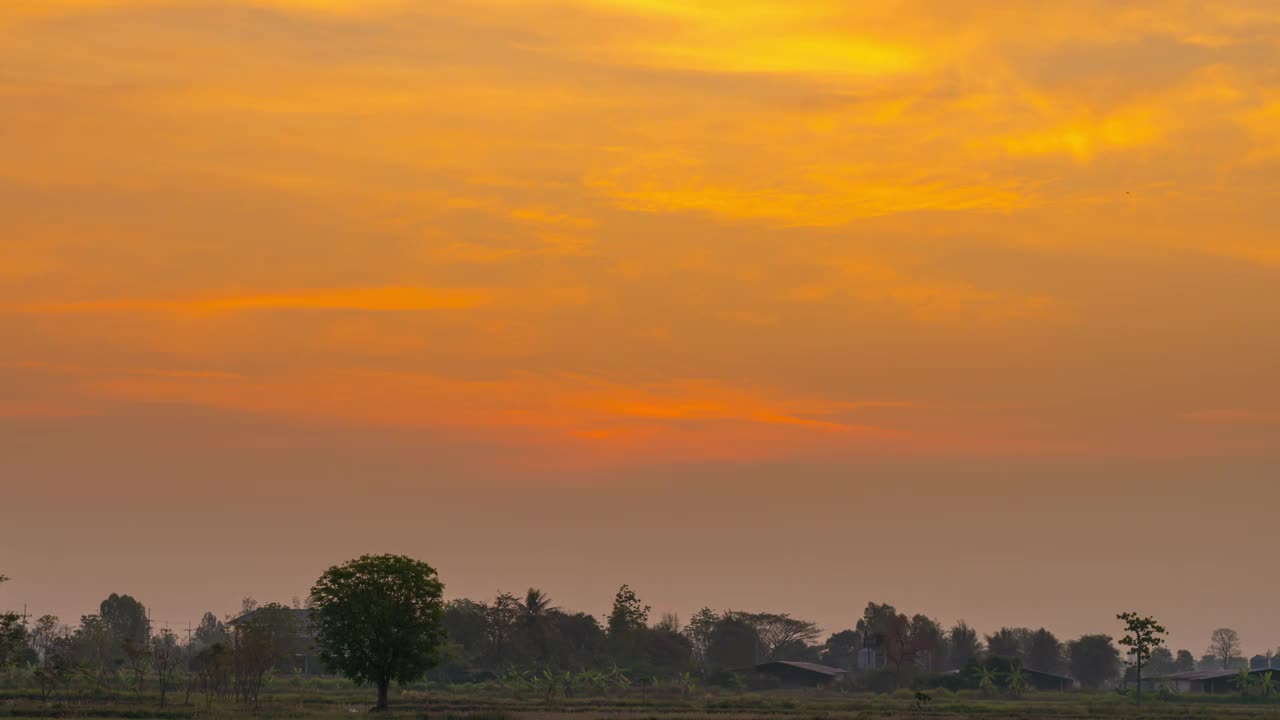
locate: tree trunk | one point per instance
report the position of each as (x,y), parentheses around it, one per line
(382,694)
(1139,683)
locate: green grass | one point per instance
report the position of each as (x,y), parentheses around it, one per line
(331,699)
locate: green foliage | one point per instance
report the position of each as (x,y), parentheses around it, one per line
(1094,660)
(1015,682)
(13,638)
(627,615)
(1142,636)
(1243,682)
(379,618)
(126,617)
(963,644)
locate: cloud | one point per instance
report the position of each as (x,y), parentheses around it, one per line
(404,299)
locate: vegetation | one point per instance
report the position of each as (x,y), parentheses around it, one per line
(380,619)
(1143,635)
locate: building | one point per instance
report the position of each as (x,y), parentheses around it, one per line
(1201,682)
(800,674)
(1041,680)
(298,652)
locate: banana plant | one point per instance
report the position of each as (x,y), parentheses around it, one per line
(986,680)
(1267,685)
(1243,681)
(688,684)
(618,678)
(1015,681)
(550,683)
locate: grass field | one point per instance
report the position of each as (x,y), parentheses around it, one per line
(297,699)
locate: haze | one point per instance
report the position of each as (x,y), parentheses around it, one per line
(972,310)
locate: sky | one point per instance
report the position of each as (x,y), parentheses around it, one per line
(973,308)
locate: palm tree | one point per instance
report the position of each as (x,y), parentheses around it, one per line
(536,606)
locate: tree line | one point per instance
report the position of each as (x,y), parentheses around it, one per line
(465,640)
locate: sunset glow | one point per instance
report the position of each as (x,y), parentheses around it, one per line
(588,246)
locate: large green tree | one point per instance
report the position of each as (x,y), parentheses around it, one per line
(379,618)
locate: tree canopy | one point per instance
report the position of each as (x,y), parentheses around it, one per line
(379,618)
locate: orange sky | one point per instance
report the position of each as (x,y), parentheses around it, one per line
(664,288)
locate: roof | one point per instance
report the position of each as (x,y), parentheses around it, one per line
(1055,676)
(806,666)
(300,615)
(1207,674)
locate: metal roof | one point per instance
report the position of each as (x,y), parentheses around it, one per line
(811,667)
(1207,674)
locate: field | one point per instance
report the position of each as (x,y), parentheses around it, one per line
(329,699)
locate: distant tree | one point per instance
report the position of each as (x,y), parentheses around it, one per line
(210,631)
(1044,652)
(1161,662)
(578,640)
(534,612)
(1009,643)
(55,673)
(13,638)
(841,649)
(502,619)
(1142,635)
(627,624)
(964,646)
(669,622)
(166,659)
(126,618)
(733,644)
(536,606)
(138,659)
(1224,646)
(465,625)
(628,614)
(906,640)
(1094,660)
(13,634)
(1184,662)
(873,626)
(667,651)
(212,667)
(379,618)
(699,631)
(94,647)
(47,634)
(256,645)
(779,630)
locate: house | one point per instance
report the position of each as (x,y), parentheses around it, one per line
(800,674)
(1041,680)
(1197,682)
(1038,679)
(297,649)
